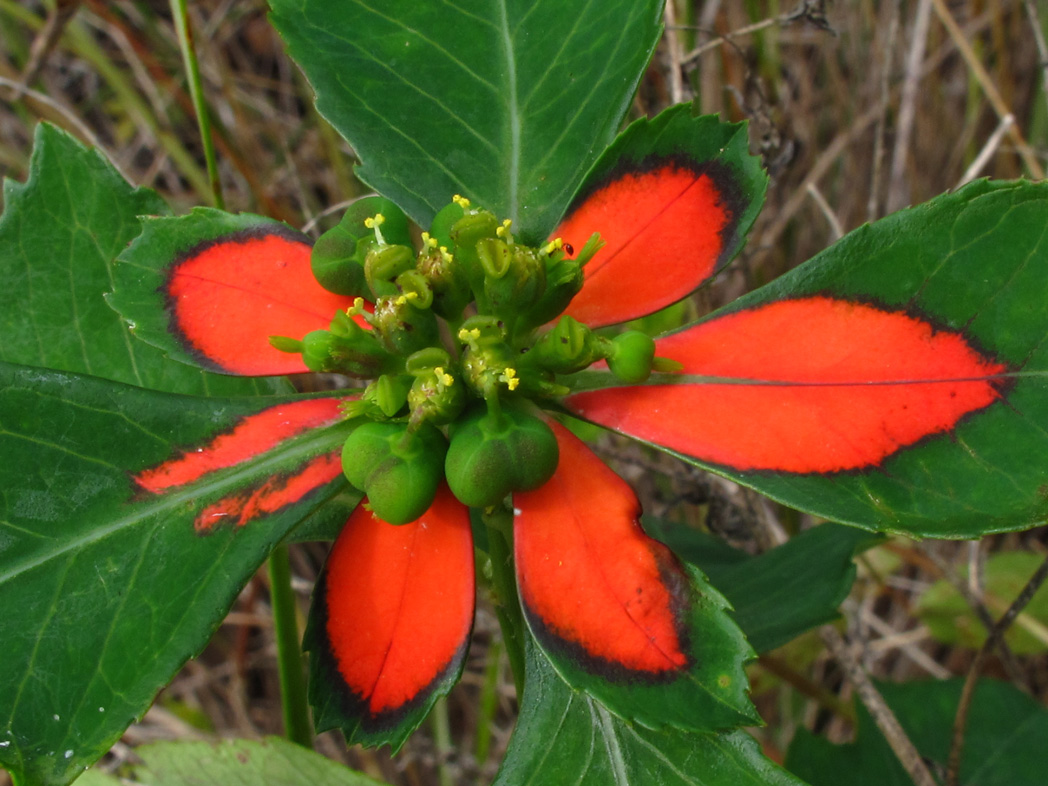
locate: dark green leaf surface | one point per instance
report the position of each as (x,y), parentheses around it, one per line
(272,761)
(59,234)
(783,592)
(975,261)
(108,589)
(1004,743)
(507,102)
(563,737)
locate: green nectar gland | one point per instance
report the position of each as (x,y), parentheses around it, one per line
(457,341)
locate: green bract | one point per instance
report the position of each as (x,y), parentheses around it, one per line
(494,454)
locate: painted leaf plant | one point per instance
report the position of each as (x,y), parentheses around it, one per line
(153,458)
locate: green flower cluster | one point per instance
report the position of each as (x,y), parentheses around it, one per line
(458,347)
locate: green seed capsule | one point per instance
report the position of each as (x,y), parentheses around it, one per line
(490,457)
(632,356)
(397,469)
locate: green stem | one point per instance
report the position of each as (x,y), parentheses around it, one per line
(499,524)
(442,740)
(297,725)
(489,702)
(196,92)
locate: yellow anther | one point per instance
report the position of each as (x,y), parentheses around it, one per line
(445,254)
(406,297)
(461,201)
(444,379)
(509,376)
(503,230)
(553,245)
(376,221)
(356,308)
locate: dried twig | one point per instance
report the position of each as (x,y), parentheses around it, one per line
(882,715)
(897,192)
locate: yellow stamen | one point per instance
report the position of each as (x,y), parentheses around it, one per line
(509,376)
(503,230)
(444,254)
(444,379)
(376,221)
(553,245)
(461,201)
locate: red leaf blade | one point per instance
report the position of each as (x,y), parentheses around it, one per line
(810,385)
(591,582)
(251,436)
(227,296)
(663,228)
(396,609)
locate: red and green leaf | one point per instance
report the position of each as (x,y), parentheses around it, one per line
(673,199)
(615,611)
(115,585)
(210,288)
(59,234)
(896,381)
(390,623)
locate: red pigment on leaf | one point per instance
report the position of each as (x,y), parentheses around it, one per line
(277,492)
(252,436)
(400,601)
(589,575)
(230,296)
(662,230)
(848,384)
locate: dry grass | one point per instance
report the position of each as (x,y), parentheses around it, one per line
(855,118)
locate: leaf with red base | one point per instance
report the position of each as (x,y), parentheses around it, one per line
(672,199)
(210,288)
(618,615)
(897,381)
(390,623)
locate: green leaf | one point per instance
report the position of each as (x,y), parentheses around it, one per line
(1003,745)
(108,587)
(951,620)
(272,761)
(973,262)
(507,102)
(783,592)
(563,736)
(59,233)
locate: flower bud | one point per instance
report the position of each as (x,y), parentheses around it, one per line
(491,456)
(397,468)
(568,347)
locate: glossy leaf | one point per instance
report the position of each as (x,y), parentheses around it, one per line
(615,611)
(1003,744)
(59,234)
(507,102)
(210,288)
(390,623)
(563,736)
(783,592)
(897,381)
(110,586)
(673,199)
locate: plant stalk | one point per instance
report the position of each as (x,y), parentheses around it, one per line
(297,725)
(499,523)
(180,13)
